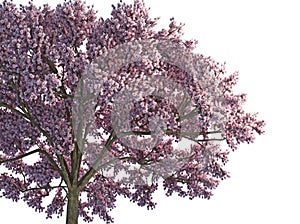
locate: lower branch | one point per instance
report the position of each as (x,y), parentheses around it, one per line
(18,157)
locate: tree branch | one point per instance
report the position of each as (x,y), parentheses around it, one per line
(47,188)
(64,172)
(18,157)
(10,72)
(189,115)
(85,179)
(182,134)
(13,109)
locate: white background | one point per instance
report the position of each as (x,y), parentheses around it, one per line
(260,39)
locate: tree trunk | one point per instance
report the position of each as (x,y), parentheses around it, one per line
(72,207)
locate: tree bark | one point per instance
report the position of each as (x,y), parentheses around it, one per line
(72,206)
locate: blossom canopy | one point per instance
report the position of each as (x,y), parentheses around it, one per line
(45,54)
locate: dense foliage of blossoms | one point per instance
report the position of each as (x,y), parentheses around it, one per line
(43,55)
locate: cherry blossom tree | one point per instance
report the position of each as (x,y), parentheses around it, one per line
(45,156)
